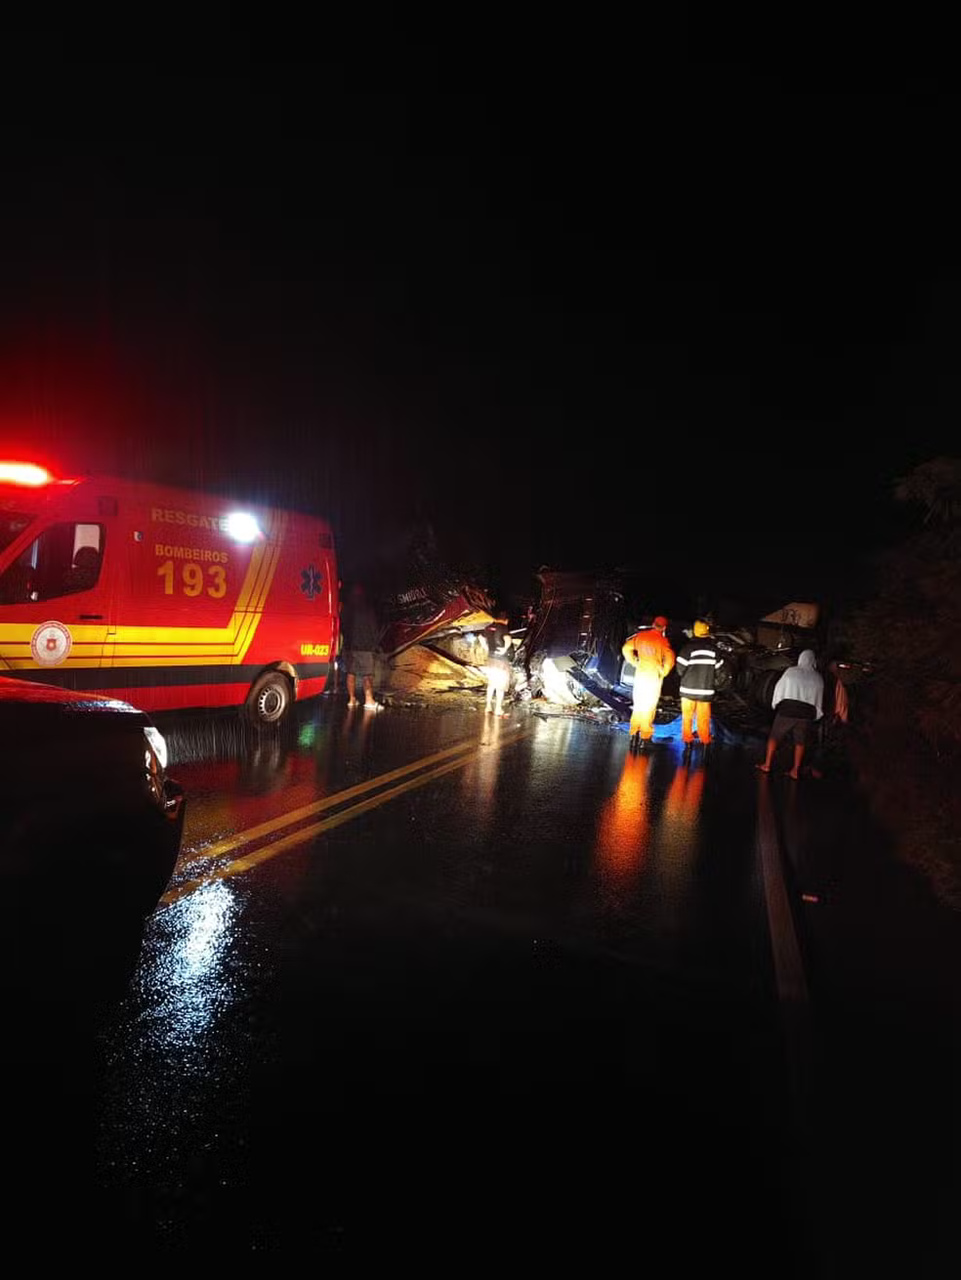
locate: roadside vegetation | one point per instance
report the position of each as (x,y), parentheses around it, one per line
(906,736)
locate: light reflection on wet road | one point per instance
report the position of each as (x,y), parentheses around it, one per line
(486,953)
(515,994)
(237,776)
(190,974)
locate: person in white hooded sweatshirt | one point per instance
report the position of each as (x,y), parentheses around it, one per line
(796,700)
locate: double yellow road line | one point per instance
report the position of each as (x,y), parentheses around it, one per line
(405,779)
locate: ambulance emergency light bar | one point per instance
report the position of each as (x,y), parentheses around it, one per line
(26,473)
(240,525)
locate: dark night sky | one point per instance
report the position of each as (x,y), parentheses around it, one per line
(581,308)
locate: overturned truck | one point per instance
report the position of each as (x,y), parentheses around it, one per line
(433,622)
(571,651)
(435,645)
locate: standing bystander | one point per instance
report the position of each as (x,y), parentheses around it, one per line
(497,669)
(797,702)
(361,639)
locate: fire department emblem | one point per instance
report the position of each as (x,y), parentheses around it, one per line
(50,644)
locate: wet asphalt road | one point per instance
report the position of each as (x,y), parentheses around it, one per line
(432,983)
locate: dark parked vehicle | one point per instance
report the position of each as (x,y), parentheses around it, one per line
(90,821)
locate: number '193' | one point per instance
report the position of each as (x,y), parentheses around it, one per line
(193,580)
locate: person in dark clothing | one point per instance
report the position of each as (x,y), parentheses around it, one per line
(361,632)
(698,663)
(830,738)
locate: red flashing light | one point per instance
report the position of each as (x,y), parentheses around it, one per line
(26,473)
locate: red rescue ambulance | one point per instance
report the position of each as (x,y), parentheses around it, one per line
(165,598)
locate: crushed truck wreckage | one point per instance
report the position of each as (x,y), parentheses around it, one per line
(433,622)
(571,652)
(423,616)
(433,642)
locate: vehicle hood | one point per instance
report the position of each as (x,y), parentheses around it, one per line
(27,707)
(25,693)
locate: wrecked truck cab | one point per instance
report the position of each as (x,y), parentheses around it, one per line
(434,620)
(572,648)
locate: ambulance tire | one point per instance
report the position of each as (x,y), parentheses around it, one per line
(269,699)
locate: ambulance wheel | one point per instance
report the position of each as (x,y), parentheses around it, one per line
(268,699)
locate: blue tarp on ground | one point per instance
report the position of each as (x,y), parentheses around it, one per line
(670,731)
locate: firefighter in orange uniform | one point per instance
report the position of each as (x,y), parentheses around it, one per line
(653,657)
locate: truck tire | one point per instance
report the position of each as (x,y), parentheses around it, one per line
(269,698)
(764,687)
